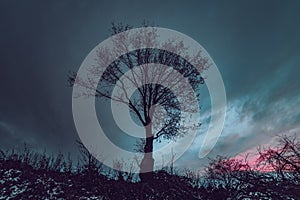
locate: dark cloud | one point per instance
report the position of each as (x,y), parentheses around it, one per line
(255,45)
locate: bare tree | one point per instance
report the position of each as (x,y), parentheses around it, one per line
(283,158)
(228,176)
(283,162)
(274,176)
(149,83)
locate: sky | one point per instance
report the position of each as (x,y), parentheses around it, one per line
(255,45)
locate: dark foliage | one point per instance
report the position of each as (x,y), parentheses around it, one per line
(21,180)
(31,175)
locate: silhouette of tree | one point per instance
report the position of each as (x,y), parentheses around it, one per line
(283,162)
(283,158)
(275,176)
(228,176)
(143,104)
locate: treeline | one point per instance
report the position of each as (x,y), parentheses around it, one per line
(32,175)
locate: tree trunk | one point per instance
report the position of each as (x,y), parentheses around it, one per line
(147,164)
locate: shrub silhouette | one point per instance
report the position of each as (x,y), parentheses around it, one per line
(33,175)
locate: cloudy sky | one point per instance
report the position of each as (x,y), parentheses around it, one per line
(255,44)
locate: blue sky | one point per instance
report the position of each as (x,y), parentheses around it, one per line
(255,45)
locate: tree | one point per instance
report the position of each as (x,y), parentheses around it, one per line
(284,158)
(275,175)
(283,162)
(151,96)
(229,177)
